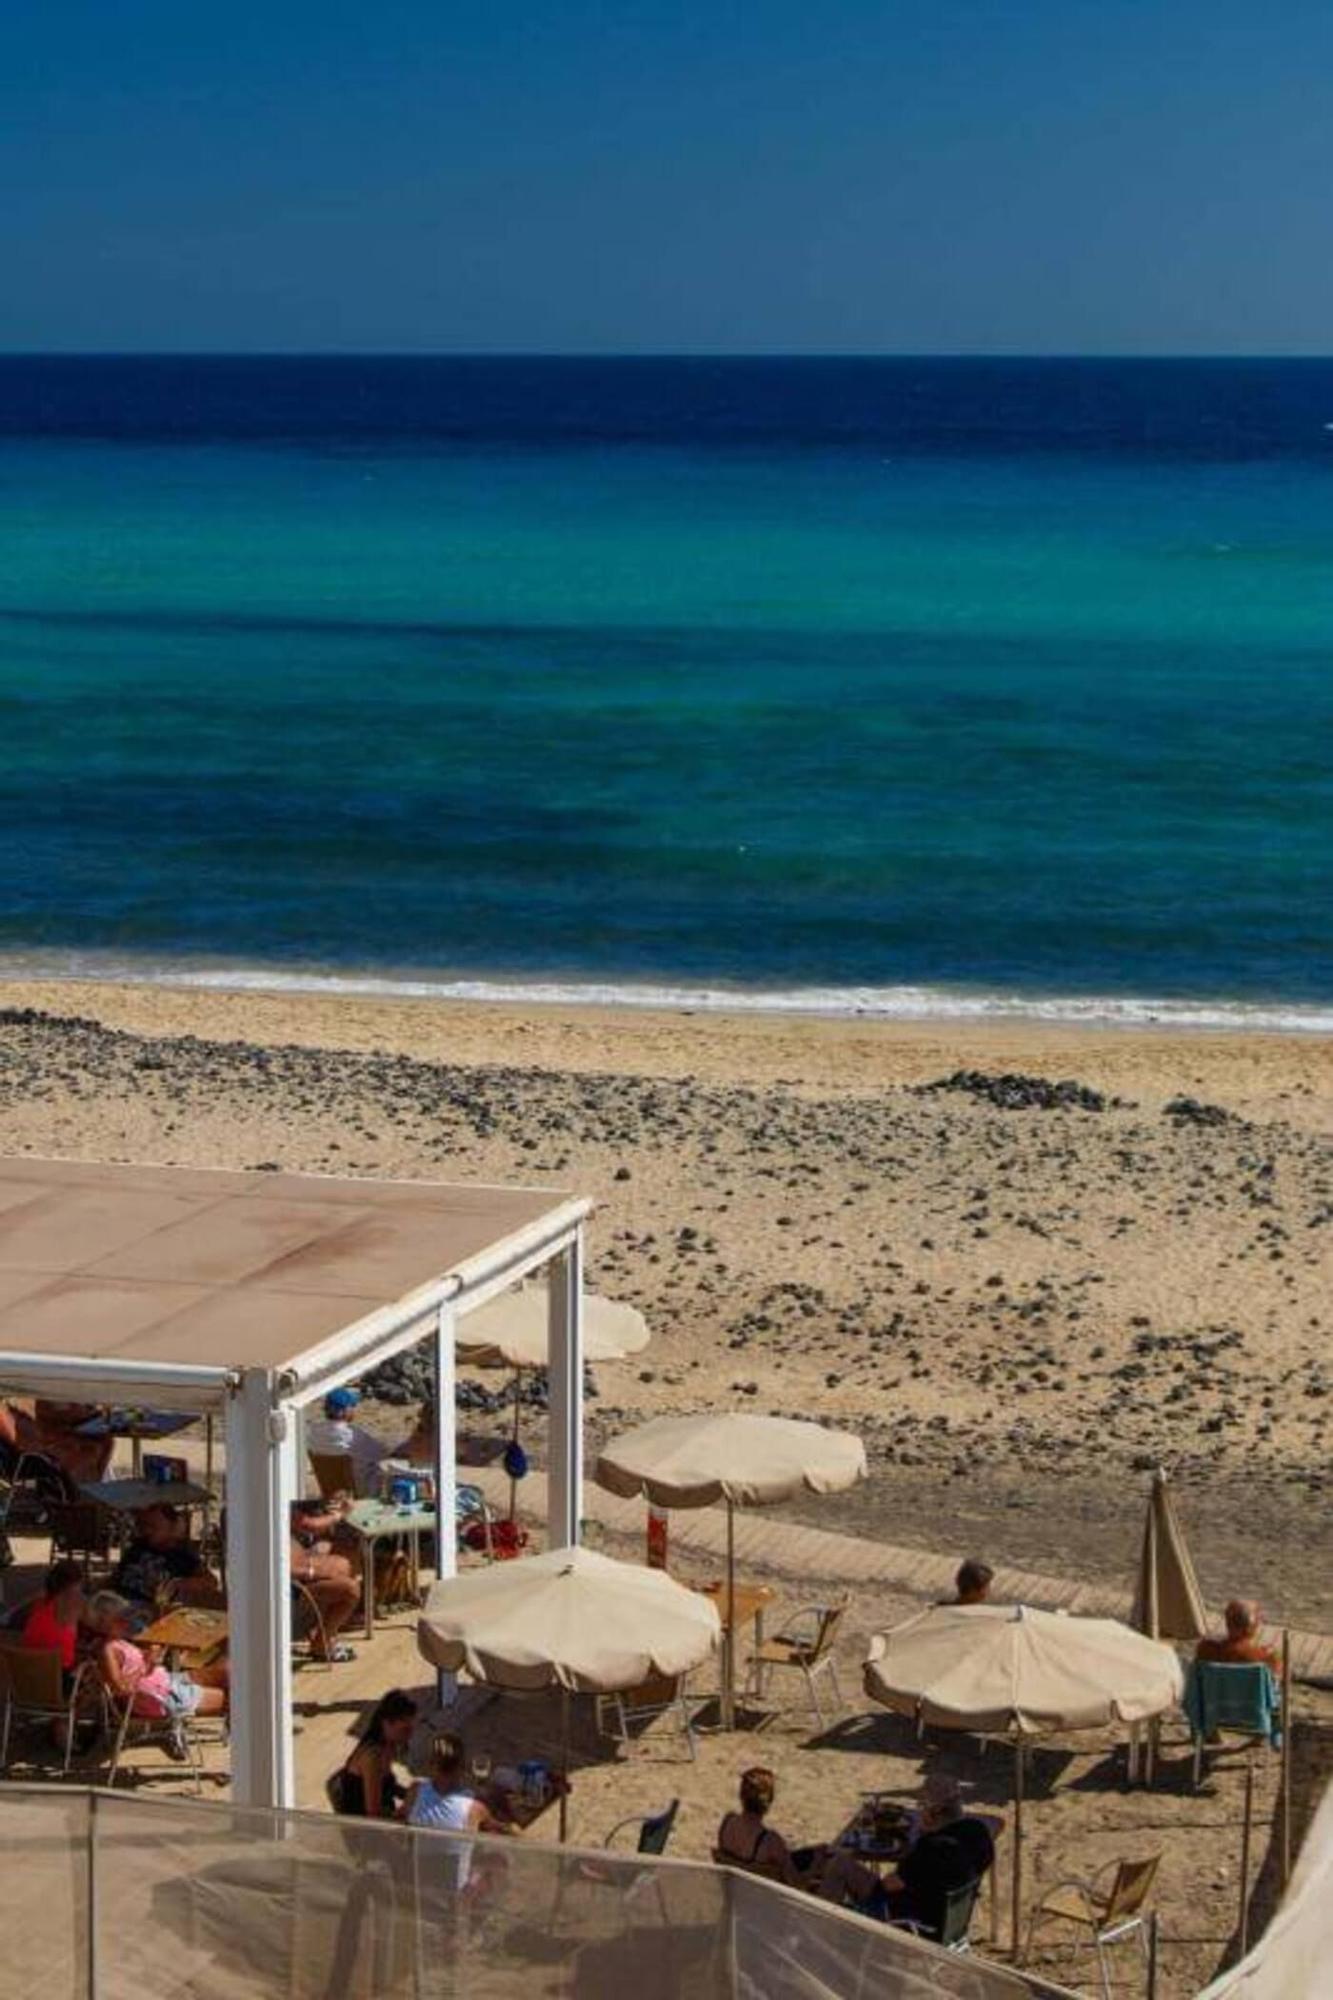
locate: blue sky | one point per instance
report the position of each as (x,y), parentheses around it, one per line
(1042,175)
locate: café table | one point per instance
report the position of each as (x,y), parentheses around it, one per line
(130,1496)
(375,1520)
(195,1634)
(749,1601)
(136,1425)
(884,1851)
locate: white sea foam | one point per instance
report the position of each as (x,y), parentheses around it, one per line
(904,1003)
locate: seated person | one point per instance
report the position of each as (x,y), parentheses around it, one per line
(336,1434)
(973,1581)
(52,1620)
(443,1799)
(368,1787)
(744,1840)
(134,1671)
(418,1447)
(950,1850)
(1241,1646)
(329,1577)
(52,1430)
(160,1560)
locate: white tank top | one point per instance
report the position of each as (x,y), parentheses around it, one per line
(447,1812)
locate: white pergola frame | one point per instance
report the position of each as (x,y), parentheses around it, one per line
(261,1409)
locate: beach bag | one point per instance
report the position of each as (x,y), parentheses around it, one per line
(504,1539)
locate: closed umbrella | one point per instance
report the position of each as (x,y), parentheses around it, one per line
(744,1460)
(511,1332)
(1168,1603)
(571,1619)
(1006,1669)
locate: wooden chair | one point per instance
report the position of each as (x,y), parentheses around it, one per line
(335,1472)
(1110,1914)
(805,1646)
(665,1694)
(32,1687)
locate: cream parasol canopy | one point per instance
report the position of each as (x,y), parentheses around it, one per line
(734,1457)
(1010,1670)
(511,1332)
(571,1619)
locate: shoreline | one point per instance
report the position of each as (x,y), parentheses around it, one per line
(938,1007)
(811,1055)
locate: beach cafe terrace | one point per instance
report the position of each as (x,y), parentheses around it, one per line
(243,1298)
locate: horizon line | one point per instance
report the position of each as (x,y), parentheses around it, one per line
(646,354)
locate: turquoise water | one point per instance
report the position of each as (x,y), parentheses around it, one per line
(852,718)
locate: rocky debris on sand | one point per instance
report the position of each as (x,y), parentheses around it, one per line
(1189,1111)
(1012,1092)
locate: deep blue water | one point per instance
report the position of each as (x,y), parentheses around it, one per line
(1007,680)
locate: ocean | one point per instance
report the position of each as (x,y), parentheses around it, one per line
(899,686)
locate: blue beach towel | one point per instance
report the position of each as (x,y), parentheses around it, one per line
(1223,1696)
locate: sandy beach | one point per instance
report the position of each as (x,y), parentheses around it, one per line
(1024,1294)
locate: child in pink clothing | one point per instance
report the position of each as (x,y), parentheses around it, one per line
(137,1671)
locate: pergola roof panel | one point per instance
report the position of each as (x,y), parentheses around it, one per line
(195,1268)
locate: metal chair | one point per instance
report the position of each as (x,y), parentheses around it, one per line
(32,1686)
(805,1646)
(83,1533)
(307,1619)
(664,1694)
(1109,1914)
(177,1734)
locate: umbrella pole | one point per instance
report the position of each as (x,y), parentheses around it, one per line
(564,1764)
(729,1627)
(1018,1849)
(1245,1858)
(513,1435)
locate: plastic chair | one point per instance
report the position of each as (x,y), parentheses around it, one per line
(471,1507)
(959,1905)
(664,1694)
(805,1646)
(32,1685)
(655,1829)
(1110,1914)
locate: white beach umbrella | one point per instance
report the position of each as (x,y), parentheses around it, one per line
(511,1332)
(1009,1670)
(730,1456)
(571,1619)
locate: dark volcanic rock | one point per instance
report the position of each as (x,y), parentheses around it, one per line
(1011,1092)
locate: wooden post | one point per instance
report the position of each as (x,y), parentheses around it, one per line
(513,1437)
(1018,1850)
(1285,1847)
(1154,1947)
(564,1764)
(1245,1858)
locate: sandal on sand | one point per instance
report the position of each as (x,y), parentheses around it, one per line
(337,1656)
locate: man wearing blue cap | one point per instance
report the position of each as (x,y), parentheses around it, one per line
(336,1433)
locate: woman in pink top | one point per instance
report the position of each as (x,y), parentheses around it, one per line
(137,1671)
